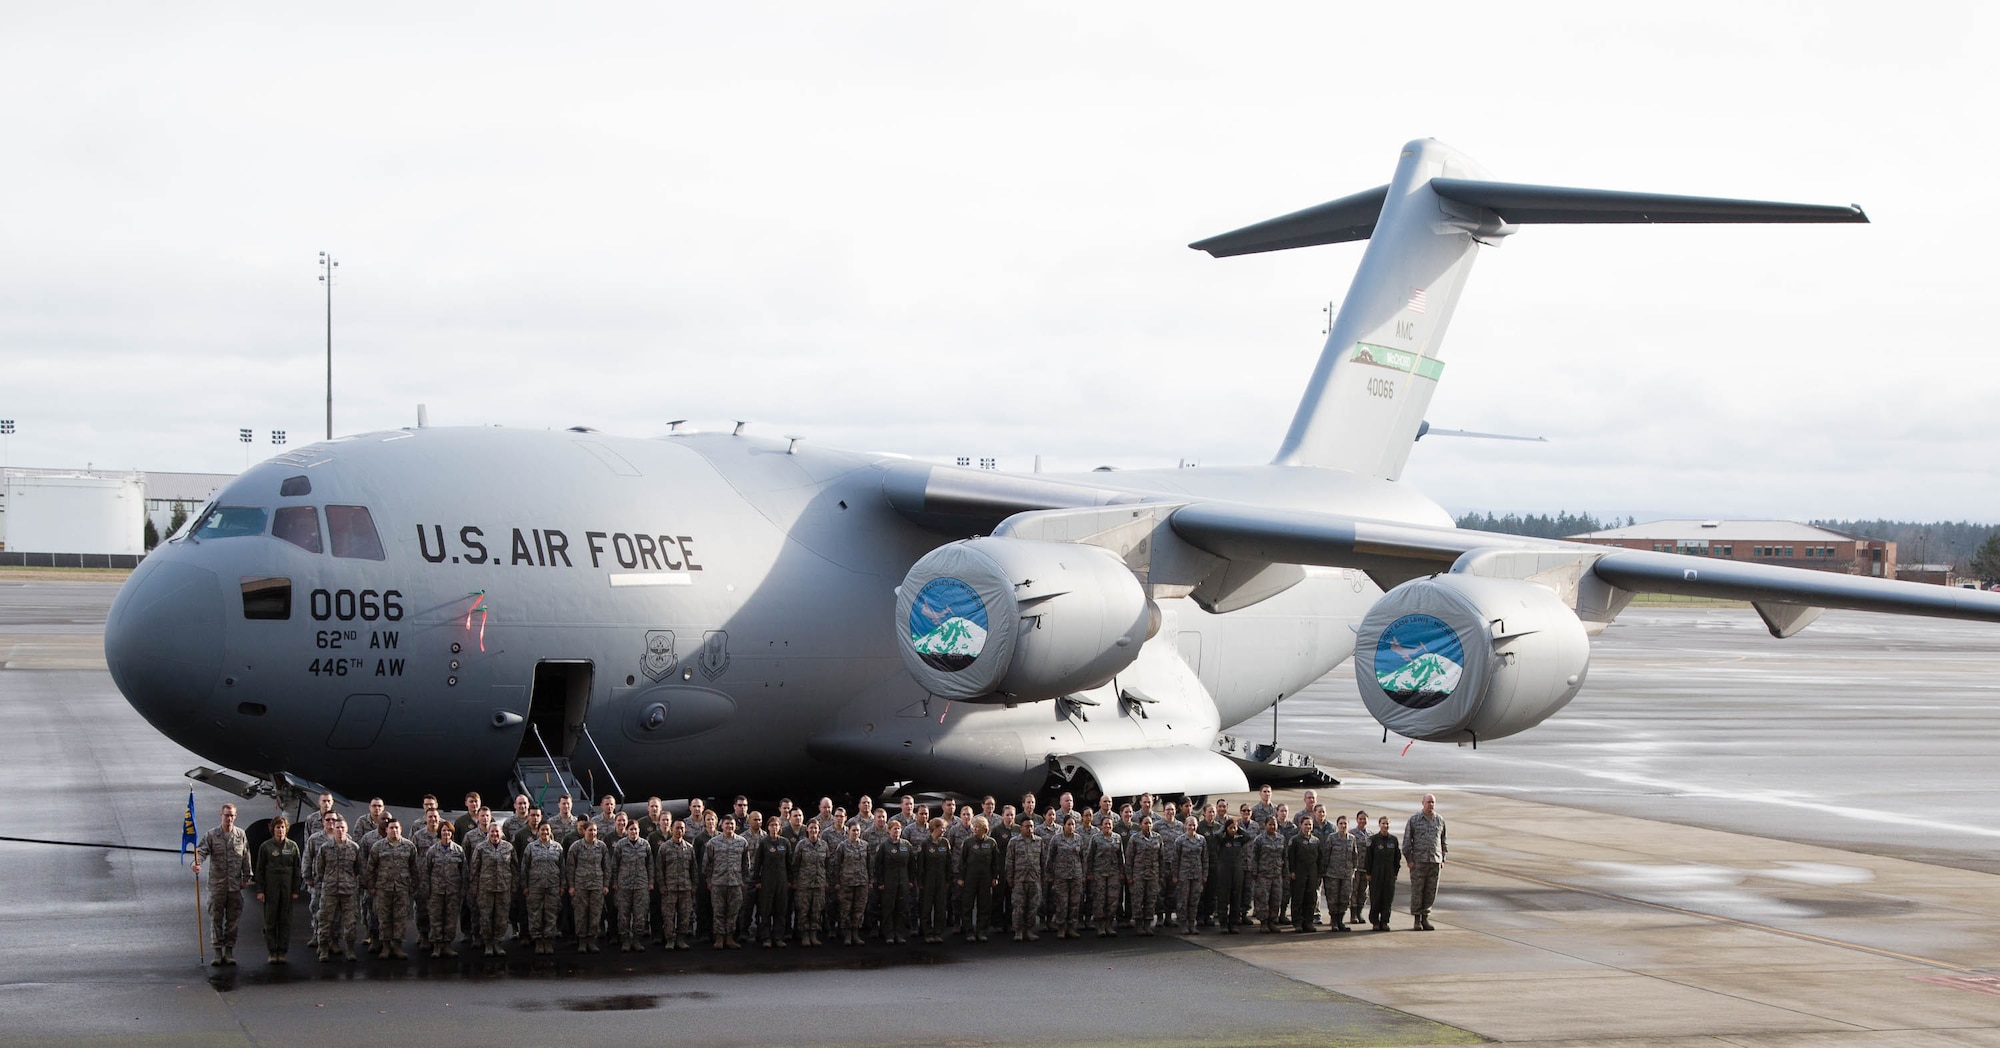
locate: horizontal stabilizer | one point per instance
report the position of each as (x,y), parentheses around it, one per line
(1517,203)
(1334,222)
(1354,217)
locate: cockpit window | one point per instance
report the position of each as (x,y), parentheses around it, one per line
(295,486)
(298,525)
(267,598)
(353,533)
(224,522)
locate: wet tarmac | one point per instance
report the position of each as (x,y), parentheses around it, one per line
(1567,916)
(1870,732)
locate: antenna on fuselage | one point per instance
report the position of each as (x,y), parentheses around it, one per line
(423,417)
(675,425)
(740,423)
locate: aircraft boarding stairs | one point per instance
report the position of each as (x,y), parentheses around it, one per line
(544,779)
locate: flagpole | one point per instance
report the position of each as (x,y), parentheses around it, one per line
(200,935)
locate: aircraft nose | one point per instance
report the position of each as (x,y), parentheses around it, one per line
(163,641)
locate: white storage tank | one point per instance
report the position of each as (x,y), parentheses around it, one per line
(78,513)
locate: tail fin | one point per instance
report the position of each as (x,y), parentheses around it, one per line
(1367,397)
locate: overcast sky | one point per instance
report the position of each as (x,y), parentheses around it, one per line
(961,229)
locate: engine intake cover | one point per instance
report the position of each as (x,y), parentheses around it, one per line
(1456,658)
(1005,620)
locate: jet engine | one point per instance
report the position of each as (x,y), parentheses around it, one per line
(1013,620)
(1461,658)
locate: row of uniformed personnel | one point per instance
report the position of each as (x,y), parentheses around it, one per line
(873,873)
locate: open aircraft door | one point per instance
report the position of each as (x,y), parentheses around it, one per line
(558,706)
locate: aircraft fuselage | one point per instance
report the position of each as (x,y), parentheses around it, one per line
(710,609)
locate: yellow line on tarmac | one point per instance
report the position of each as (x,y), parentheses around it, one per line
(1719,919)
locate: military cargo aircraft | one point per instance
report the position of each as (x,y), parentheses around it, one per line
(431,609)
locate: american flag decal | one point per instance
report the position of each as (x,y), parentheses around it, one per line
(1416,300)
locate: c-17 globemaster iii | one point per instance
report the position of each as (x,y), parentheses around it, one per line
(423,610)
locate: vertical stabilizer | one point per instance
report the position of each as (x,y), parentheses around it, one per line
(1375,377)
(1366,401)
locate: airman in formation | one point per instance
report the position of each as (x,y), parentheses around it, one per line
(879,874)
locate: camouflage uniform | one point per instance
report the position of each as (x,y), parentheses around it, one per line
(311,848)
(336,875)
(277,878)
(588,869)
(226,856)
(1190,873)
(1145,853)
(1338,856)
(441,880)
(1106,866)
(492,886)
(542,879)
(1424,848)
(810,859)
(1267,877)
(1024,871)
(853,871)
(723,867)
(423,838)
(1064,857)
(1360,835)
(676,880)
(631,882)
(392,875)
(1172,832)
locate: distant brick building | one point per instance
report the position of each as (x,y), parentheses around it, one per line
(1782,542)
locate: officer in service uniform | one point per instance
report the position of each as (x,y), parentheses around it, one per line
(1106,867)
(676,876)
(1024,872)
(588,871)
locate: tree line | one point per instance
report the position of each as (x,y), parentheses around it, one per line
(1539,525)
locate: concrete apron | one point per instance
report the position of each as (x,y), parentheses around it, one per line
(1556,924)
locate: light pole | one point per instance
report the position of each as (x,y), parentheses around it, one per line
(6,445)
(244,436)
(327,264)
(278,437)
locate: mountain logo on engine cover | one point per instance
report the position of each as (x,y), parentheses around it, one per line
(1418,661)
(948,624)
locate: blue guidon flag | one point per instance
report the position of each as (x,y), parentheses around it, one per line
(188,837)
(948,624)
(1418,661)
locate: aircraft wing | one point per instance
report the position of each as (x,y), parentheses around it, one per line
(1397,552)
